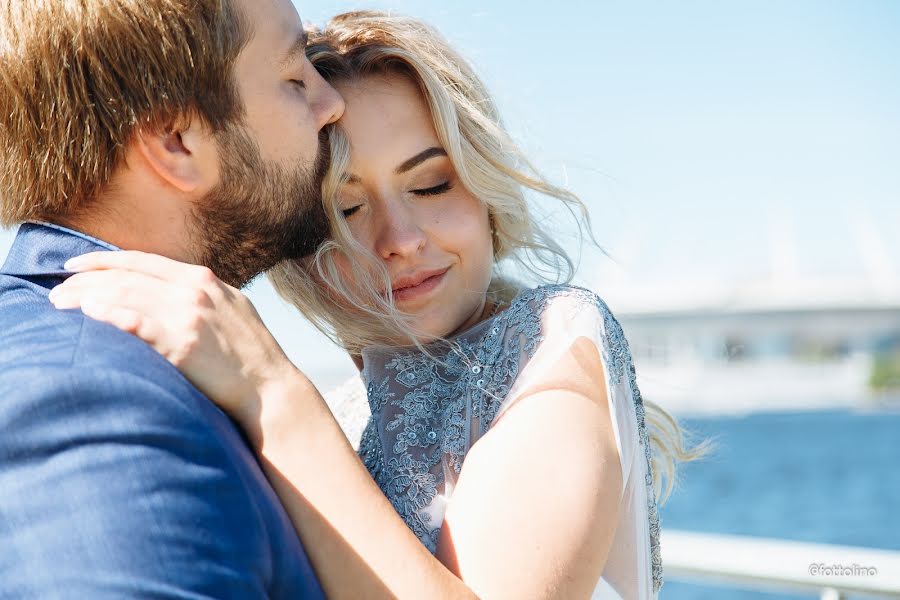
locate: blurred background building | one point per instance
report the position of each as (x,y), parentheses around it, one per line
(786,340)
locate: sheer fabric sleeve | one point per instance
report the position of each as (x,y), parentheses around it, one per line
(566,315)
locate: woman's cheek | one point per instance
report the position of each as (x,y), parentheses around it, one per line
(469,230)
(463,219)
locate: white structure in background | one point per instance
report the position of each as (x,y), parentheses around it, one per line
(789,341)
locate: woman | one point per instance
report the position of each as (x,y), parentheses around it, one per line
(512,452)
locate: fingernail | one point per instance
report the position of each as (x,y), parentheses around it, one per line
(93,307)
(73,264)
(62,300)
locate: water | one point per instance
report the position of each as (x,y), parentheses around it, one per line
(822,477)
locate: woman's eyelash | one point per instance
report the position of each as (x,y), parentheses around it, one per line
(299,82)
(434,191)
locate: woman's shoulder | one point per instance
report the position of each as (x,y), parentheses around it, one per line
(557,314)
(559,300)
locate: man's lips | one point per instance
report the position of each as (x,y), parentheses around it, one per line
(408,287)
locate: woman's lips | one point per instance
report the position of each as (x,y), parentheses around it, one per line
(420,290)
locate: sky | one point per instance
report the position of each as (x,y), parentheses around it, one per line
(711,140)
(698,130)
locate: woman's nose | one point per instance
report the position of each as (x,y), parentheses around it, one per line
(400,234)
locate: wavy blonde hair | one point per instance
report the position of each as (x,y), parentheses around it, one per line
(357,45)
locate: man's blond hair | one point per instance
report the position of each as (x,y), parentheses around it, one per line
(77,78)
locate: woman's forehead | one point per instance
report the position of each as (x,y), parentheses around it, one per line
(386,116)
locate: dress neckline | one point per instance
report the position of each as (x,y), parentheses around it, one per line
(439,347)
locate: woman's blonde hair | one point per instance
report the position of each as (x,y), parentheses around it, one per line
(357,45)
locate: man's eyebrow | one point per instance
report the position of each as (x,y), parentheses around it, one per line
(297,50)
(419,158)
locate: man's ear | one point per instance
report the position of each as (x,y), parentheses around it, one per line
(183,154)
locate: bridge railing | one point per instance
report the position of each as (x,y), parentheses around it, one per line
(834,572)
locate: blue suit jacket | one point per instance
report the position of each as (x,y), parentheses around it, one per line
(118,479)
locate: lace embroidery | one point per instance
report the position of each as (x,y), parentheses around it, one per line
(436,409)
(618,355)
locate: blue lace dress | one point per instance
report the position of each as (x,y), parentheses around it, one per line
(426,414)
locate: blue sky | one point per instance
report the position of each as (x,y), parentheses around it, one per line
(697,124)
(702,134)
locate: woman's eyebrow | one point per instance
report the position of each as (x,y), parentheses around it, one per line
(409,165)
(419,158)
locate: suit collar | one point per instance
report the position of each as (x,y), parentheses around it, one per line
(42,249)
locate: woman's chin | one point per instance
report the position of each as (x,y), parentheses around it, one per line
(425,334)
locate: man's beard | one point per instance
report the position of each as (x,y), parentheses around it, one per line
(260,213)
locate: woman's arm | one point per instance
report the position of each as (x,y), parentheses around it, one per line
(358,545)
(357,542)
(534,511)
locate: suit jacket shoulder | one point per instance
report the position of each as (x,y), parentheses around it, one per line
(118,478)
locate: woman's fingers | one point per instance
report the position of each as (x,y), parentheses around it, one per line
(153,265)
(167,316)
(127,289)
(129,321)
(209,330)
(143,297)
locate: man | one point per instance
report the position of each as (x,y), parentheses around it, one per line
(187,128)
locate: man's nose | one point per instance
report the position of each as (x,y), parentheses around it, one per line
(327,104)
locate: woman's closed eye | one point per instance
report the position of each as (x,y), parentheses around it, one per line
(437,190)
(434,191)
(349,212)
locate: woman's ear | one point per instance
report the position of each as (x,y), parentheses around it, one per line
(183,154)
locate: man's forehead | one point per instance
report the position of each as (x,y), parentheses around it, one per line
(296,49)
(271,21)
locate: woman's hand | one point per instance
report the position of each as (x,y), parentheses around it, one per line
(358,544)
(209,330)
